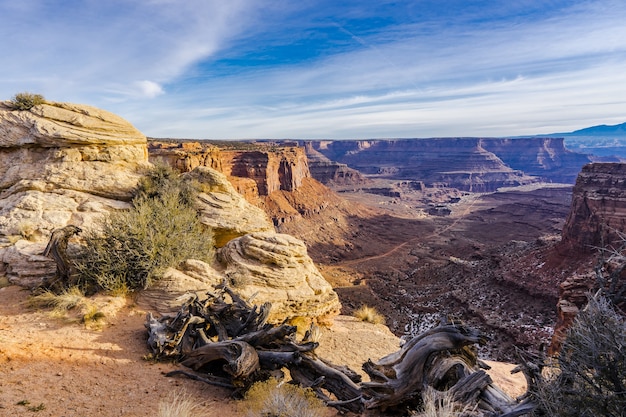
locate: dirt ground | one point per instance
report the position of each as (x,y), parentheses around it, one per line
(49,367)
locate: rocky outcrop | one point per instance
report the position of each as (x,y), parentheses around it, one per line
(60,164)
(276,268)
(598,213)
(546,158)
(224,210)
(263,267)
(66,164)
(597,219)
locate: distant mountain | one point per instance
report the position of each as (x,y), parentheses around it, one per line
(600,130)
(606,142)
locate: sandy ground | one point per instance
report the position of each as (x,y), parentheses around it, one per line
(49,367)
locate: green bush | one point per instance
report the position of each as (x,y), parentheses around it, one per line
(134,247)
(26,101)
(590,376)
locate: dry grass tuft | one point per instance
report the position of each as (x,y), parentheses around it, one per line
(273,399)
(178,404)
(369,314)
(67,302)
(440,404)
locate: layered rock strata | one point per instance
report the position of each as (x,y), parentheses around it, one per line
(276,268)
(596,221)
(224,210)
(60,164)
(270,167)
(598,212)
(468,164)
(331,172)
(259,267)
(66,164)
(461,163)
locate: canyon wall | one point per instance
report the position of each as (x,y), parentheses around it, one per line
(597,220)
(270,168)
(468,164)
(598,213)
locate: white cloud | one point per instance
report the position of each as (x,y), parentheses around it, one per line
(149,89)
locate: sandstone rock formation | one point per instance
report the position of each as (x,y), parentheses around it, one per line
(60,164)
(261,267)
(276,268)
(275,178)
(66,164)
(596,221)
(598,212)
(224,209)
(271,167)
(546,158)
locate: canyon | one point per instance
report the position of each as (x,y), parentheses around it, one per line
(474,228)
(471,228)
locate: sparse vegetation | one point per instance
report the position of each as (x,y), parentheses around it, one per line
(178,404)
(71,299)
(273,399)
(26,101)
(369,314)
(134,247)
(590,374)
(33,408)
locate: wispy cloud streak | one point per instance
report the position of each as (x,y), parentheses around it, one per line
(318,69)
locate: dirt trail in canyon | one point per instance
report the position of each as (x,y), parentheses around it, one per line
(436,233)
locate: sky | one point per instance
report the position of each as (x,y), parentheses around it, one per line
(248,69)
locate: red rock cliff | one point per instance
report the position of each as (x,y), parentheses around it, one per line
(597,219)
(271,168)
(598,211)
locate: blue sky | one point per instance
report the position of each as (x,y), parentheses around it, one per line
(244,69)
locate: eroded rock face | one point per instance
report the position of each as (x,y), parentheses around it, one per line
(468,164)
(598,211)
(60,164)
(331,172)
(225,210)
(276,268)
(271,167)
(597,219)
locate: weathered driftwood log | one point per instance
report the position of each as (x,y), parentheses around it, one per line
(224,341)
(402,376)
(237,359)
(57,250)
(342,382)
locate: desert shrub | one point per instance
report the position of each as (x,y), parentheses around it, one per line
(273,399)
(132,248)
(162,180)
(178,404)
(369,314)
(590,377)
(26,101)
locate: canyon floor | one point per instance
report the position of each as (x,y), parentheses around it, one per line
(485,261)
